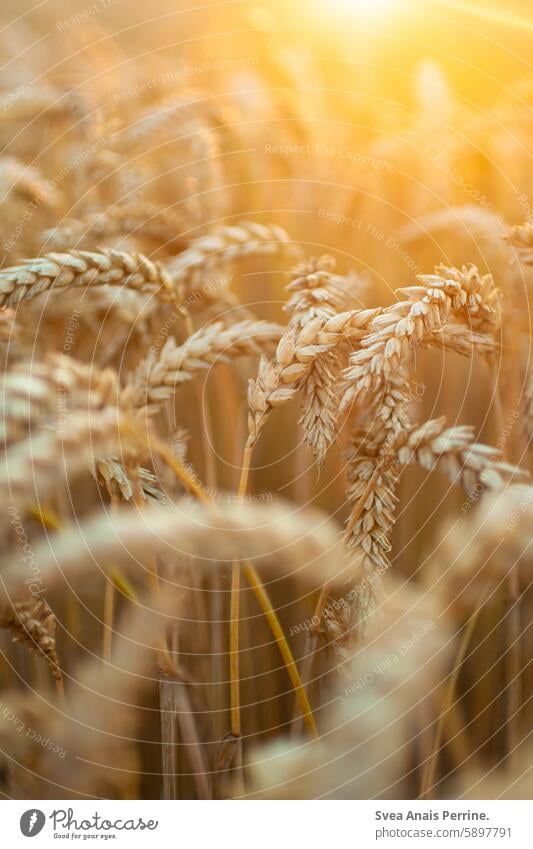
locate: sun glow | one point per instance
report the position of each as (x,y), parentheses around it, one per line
(366,7)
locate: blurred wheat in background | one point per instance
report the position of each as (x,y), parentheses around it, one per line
(267,400)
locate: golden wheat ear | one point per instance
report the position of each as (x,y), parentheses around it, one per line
(79,269)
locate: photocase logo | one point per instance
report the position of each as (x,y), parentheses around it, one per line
(32,822)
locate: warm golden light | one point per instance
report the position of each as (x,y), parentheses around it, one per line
(366,7)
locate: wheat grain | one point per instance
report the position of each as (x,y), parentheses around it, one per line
(373,474)
(32,466)
(125,484)
(318,293)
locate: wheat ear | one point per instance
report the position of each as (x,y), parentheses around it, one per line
(156,379)
(33,623)
(423,315)
(279,379)
(61,271)
(521,237)
(316,292)
(191,269)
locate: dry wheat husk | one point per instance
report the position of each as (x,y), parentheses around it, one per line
(142,219)
(455,452)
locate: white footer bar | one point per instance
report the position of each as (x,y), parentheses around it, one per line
(267,825)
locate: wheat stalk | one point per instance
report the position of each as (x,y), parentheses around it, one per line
(382,690)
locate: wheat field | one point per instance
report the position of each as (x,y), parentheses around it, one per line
(267,400)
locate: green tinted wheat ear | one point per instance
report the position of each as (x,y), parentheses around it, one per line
(76,269)
(157,379)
